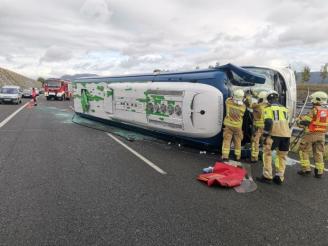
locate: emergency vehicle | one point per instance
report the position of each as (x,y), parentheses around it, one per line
(186,106)
(58,89)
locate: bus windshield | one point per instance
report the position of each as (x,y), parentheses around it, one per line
(268,73)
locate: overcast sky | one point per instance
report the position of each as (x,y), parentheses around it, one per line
(50,38)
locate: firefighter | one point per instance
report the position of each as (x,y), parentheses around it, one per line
(233,121)
(276,135)
(258,122)
(315,125)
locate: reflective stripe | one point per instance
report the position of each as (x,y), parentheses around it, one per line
(225,150)
(253,150)
(276,113)
(259,123)
(305,164)
(237,153)
(320,166)
(254,153)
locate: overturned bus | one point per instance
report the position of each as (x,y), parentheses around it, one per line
(184,106)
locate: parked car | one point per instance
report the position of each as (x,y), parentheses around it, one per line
(27,93)
(11,93)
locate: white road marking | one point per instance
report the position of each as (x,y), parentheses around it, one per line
(296,161)
(144,159)
(5,121)
(325,169)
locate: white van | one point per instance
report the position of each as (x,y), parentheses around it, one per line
(11,93)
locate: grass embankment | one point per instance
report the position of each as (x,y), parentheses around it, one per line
(301,95)
(302,89)
(8,77)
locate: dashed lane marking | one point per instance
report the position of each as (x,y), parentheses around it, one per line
(5,121)
(144,159)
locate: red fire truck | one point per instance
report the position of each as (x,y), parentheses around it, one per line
(58,89)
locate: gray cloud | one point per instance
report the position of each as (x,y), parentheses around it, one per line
(114,36)
(56,54)
(96,10)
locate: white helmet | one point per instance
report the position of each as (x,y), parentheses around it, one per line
(263,95)
(238,94)
(319,97)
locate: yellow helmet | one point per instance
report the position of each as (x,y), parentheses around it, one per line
(263,95)
(238,94)
(319,97)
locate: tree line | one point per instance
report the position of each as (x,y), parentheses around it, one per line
(306,73)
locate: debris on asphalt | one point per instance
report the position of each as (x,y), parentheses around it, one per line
(248,184)
(128,135)
(208,169)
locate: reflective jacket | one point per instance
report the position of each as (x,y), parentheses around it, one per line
(258,113)
(276,121)
(317,118)
(234,114)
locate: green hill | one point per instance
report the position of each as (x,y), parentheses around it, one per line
(8,77)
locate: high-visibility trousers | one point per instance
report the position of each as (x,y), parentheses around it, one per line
(282,146)
(312,141)
(256,143)
(236,135)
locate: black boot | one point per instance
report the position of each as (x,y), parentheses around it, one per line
(277,180)
(317,174)
(304,173)
(263,179)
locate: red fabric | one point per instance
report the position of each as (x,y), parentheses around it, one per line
(33,93)
(224,174)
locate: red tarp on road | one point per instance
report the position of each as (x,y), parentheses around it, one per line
(224,174)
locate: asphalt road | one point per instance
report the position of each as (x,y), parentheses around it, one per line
(65,184)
